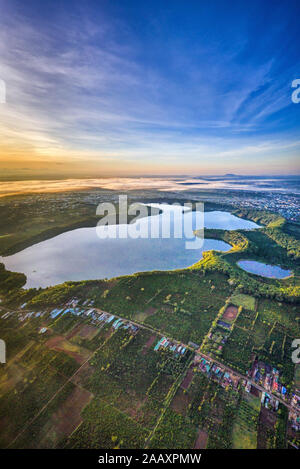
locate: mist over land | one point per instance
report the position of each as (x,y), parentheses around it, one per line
(230,182)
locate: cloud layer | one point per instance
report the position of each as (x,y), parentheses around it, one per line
(148,89)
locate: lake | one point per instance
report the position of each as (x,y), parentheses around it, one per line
(265,270)
(92,253)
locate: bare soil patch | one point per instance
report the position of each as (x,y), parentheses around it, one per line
(267,417)
(60,344)
(66,419)
(148,344)
(266,424)
(181,402)
(83,375)
(143,315)
(201,440)
(55,341)
(230,313)
(73,332)
(84,331)
(188,378)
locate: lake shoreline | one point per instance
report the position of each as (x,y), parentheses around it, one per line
(55,260)
(256,265)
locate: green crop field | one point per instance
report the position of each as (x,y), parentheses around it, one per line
(245,426)
(81,384)
(246,301)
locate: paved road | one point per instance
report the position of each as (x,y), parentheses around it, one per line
(207,357)
(258,386)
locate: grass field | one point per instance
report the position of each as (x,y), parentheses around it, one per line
(286,314)
(245,426)
(135,391)
(246,301)
(237,350)
(125,382)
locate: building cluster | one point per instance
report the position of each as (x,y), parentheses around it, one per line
(285,204)
(294,414)
(216,372)
(97,317)
(269,401)
(268,377)
(23,316)
(217,338)
(167,344)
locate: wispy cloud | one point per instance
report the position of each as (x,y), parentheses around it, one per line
(90,87)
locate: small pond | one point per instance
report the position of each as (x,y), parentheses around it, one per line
(264,270)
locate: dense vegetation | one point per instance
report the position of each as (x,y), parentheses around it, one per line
(113,389)
(269,244)
(29,219)
(10,281)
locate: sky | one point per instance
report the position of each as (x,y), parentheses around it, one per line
(125,88)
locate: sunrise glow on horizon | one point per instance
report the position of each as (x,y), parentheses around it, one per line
(131,88)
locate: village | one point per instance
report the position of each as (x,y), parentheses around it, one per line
(262,380)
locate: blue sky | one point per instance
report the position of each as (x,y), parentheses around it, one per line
(128,87)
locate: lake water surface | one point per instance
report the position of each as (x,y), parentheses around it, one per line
(265,270)
(90,253)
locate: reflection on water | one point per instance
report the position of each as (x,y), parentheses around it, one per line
(81,255)
(265,270)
